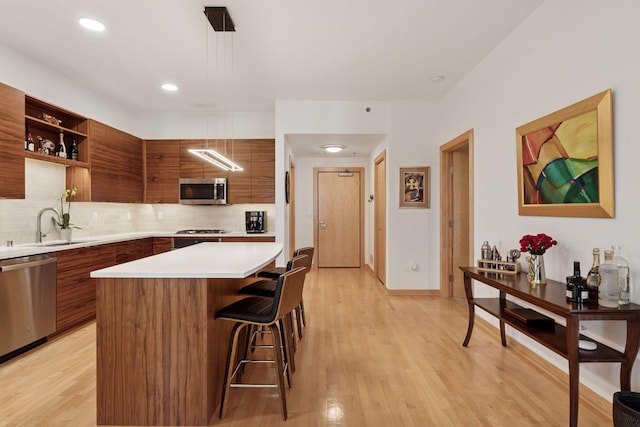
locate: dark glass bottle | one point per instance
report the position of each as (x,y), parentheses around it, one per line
(593,278)
(73,151)
(580,290)
(570,284)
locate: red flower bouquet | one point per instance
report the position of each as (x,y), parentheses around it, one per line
(536,245)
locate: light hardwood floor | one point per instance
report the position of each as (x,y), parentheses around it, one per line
(367,359)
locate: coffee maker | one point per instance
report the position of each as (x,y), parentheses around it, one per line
(256,221)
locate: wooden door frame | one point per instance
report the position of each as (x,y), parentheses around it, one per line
(292,207)
(318,170)
(446,208)
(381,157)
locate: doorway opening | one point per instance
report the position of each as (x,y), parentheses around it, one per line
(380,218)
(338,201)
(456,213)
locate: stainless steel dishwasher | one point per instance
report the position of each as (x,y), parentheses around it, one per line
(27,301)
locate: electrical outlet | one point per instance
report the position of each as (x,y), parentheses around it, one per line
(95,216)
(160,215)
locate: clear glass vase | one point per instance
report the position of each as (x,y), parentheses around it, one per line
(536,275)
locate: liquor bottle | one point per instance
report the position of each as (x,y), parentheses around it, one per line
(485,250)
(73,151)
(579,289)
(623,275)
(29,143)
(608,291)
(593,278)
(62,149)
(571,284)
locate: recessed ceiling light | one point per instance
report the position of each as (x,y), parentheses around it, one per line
(169,87)
(91,24)
(333,148)
(437,79)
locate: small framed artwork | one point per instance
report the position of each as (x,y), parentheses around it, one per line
(565,161)
(414,187)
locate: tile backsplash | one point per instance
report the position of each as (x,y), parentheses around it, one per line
(45,182)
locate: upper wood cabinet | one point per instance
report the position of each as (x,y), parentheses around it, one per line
(263,171)
(162,171)
(239,182)
(166,161)
(116,165)
(12,134)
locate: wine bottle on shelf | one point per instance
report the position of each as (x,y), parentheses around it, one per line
(62,149)
(577,290)
(73,151)
(29,144)
(593,278)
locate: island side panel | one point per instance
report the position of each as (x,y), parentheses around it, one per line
(222,292)
(152,352)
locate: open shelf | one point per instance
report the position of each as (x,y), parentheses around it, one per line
(54,159)
(554,338)
(36,122)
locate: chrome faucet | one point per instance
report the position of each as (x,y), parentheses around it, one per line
(39,234)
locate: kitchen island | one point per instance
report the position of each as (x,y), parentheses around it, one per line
(160,352)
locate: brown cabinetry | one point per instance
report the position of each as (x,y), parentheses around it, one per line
(116,165)
(162,244)
(11,142)
(192,166)
(132,250)
(162,171)
(254,184)
(75,290)
(263,171)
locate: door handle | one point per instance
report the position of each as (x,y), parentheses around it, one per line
(323,224)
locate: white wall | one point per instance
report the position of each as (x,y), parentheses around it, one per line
(315,117)
(40,82)
(564,52)
(411,232)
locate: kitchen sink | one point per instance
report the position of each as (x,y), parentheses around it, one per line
(58,243)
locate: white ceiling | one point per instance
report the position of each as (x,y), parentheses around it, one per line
(367,50)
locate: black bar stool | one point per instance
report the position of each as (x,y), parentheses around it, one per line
(267,288)
(274,273)
(268,312)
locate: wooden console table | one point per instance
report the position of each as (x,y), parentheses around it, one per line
(563,340)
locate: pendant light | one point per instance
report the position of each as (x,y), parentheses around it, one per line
(220,21)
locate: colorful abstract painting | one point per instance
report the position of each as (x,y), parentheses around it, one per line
(565,161)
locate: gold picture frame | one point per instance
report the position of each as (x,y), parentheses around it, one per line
(414,187)
(565,161)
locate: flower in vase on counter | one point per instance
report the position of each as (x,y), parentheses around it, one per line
(536,245)
(65,198)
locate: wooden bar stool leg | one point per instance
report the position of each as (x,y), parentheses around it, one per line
(299,321)
(231,358)
(304,317)
(279,368)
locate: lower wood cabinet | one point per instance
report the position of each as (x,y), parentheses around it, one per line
(162,244)
(75,290)
(132,250)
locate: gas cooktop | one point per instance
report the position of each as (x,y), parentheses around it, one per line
(199,231)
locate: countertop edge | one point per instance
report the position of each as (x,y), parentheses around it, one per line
(28,249)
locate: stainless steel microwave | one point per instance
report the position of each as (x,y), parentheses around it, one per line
(203,191)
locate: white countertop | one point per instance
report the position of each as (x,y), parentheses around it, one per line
(204,260)
(81,242)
